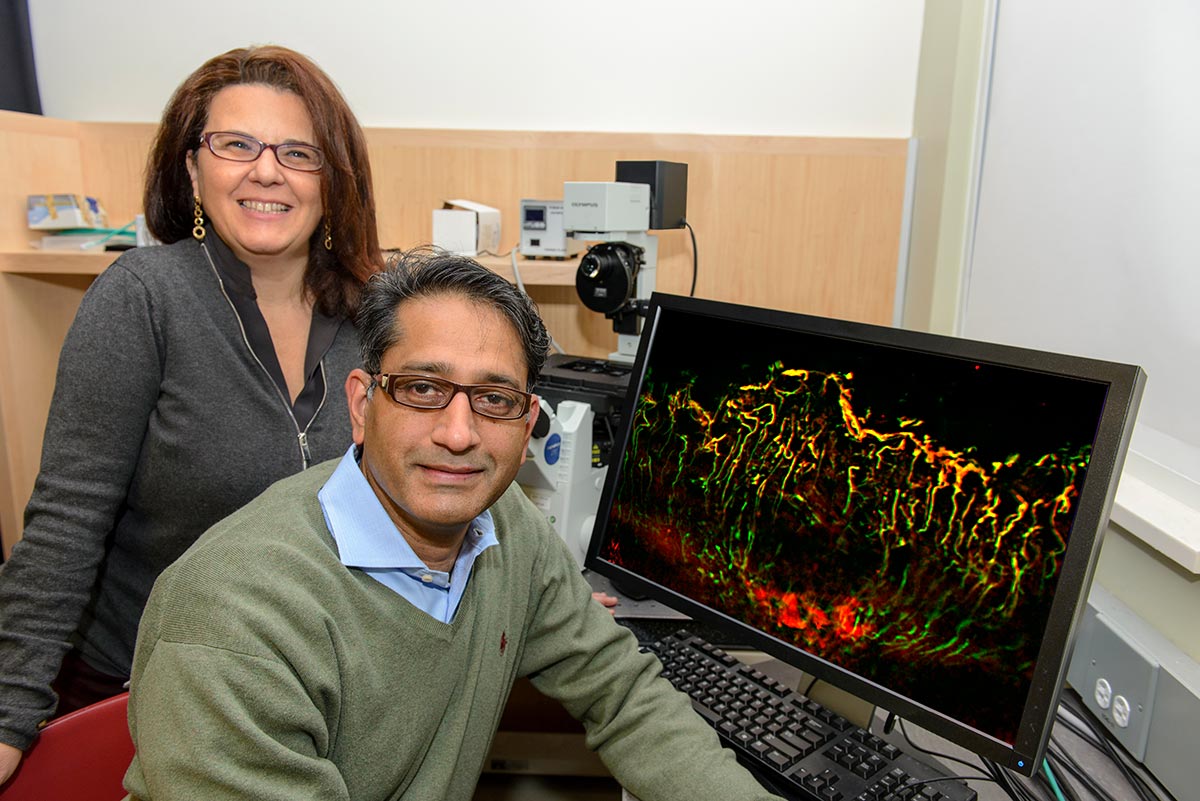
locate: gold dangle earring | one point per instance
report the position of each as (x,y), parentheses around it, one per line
(198,231)
(328,238)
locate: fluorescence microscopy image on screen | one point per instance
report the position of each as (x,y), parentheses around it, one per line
(898,513)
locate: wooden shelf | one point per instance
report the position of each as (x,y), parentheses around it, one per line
(534,272)
(42,262)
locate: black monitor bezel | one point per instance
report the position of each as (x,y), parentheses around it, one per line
(1125,385)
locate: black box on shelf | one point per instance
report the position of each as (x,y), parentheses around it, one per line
(668,189)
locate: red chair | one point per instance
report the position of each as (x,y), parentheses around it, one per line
(78,757)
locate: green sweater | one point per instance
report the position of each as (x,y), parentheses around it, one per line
(266,669)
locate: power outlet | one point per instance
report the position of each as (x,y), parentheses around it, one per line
(1123,658)
(1119,682)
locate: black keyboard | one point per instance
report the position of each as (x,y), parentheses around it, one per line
(651,629)
(797,747)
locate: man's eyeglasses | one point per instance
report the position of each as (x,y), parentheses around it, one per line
(239,147)
(426,392)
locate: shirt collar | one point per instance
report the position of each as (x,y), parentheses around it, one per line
(236,279)
(366,537)
(234,273)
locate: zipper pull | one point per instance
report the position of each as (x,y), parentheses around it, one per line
(305,454)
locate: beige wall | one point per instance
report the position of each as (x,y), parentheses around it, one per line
(1157,589)
(947,123)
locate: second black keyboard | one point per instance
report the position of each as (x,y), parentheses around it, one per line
(796,746)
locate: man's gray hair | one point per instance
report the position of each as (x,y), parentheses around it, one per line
(427,273)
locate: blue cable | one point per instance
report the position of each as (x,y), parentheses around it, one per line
(1050,777)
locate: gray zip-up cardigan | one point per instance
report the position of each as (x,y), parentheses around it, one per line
(162,423)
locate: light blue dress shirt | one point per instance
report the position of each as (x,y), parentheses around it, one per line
(369,541)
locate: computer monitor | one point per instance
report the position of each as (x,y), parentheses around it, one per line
(911,517)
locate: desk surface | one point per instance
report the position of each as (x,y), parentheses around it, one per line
(1097,765)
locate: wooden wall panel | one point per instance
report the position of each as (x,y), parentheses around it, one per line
(37,156)
(114,163)
(35,313)
(799,224)
(810,225)
(792,223)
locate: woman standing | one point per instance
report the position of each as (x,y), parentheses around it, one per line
(195,374)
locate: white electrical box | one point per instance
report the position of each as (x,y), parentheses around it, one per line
(542,231)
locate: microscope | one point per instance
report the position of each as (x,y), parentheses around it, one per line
(582,398)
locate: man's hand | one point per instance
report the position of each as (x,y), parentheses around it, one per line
(10,757)
(604,599)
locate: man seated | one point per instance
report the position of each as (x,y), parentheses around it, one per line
(355,631)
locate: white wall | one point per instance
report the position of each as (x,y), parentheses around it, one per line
(1087,229)
(1088,232)
(777,67)
(1086,242)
